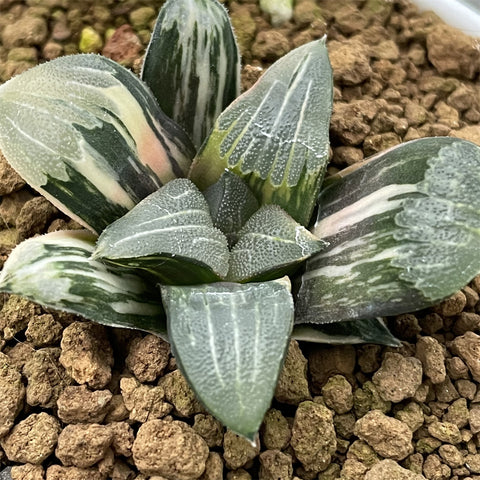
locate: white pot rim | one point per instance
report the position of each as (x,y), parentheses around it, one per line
(461,14)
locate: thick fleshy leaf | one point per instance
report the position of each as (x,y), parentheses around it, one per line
(270,245)
(171,235)
(275,136)
(231,204)
(89,135)
(55,271)
(192,64)
(372,330)
(230,340)
(403,233)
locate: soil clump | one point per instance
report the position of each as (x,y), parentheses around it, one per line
(79,401)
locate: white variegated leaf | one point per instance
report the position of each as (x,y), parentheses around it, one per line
(89,135)
(270,245)
(171,235)
(403,232)
(230,341)
(55,270)
(192,64)
(275,135)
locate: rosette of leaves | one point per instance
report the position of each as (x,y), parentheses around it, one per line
(207,261)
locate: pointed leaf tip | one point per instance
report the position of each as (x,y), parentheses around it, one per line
(55,271)
(88,134)
(192,64)
(403,233)
(271,244)
(230,341)
(231,204)
(276,135)
(169,234)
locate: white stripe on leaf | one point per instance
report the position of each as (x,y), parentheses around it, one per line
(172,222)
(84,131)
(55,271)
(229,341)
(403,230)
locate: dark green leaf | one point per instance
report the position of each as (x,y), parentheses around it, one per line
(270,245)
(230,341)
(55,271)
(192,64)
(171,235)
(231,204)
(275,136)
(403,233)
(372,330)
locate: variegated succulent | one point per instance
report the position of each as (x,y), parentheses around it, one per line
(207,261)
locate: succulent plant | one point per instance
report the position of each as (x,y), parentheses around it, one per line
(208,261)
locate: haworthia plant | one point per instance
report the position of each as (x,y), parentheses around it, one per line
(230,341)
(87,134)
(171,235)
(403,233)
(395,234)
(275,136)
(56,271)
(192,64)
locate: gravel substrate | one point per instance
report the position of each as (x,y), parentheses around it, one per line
(79,401)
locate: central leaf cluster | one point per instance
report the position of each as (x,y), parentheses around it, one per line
(171,235)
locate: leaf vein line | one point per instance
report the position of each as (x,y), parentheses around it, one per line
(161,230)
(213,348)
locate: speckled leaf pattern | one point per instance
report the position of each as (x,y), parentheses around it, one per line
(89,136)
(230,341)
(55,270)
(372,330)
(192,64)
(269,245)
(231,204)
(171,235)
(275,135)
(403,233)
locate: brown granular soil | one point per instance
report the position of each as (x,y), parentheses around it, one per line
(80,401)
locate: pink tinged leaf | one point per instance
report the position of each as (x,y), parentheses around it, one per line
(88,134)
